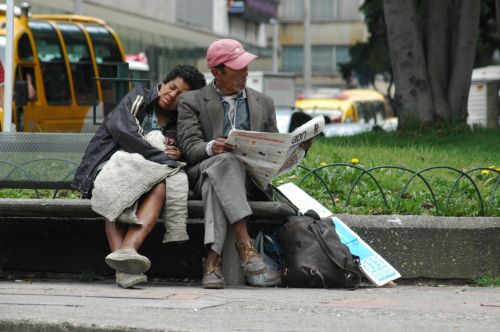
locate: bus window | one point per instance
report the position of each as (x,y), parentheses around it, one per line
(80,62)
(24,49)
(55,77)
(107,55)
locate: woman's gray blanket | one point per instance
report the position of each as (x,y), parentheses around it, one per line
(115,196)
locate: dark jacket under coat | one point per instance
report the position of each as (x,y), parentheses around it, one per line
(120,130)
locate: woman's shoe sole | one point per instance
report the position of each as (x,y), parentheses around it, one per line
(127,280)
(127,262)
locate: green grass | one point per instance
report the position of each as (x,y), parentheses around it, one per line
(463,149)
(487,281)
(40,193)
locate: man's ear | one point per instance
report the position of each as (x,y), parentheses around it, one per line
(215,72)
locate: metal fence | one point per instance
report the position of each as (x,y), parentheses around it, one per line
(48,161)
(487,199)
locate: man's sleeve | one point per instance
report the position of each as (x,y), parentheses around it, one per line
(126,131)
(190,132)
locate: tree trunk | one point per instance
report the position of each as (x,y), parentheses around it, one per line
(437,37)
(497,15)
(389,96)
(413,97)
(464,39)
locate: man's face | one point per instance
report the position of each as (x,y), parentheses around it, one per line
(170,92)
(230,81)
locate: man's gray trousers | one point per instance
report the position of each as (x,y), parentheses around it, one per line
(223,185)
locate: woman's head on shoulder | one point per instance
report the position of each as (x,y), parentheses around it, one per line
(181,78)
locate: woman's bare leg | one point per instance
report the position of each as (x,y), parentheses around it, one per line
(115,232)
(148,211)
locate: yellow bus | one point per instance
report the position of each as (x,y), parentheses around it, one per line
(56,58)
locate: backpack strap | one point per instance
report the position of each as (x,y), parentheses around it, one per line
(315,227)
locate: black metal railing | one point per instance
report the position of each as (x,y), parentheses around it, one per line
(37,169)
(333,192)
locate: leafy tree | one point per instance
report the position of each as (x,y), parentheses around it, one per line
(432,49)
(436,40)
(371,58)
(489,36)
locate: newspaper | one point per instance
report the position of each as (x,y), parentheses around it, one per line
(267,155)
(373,266)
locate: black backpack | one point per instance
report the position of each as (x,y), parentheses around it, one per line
(314,255)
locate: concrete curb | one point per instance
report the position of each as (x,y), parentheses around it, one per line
(433,247)
(417,246)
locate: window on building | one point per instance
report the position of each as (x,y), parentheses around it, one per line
(321,10)
(293,58)
(194,12)
(341,56)
(349,9)
(292,10)
(324,58)
(55,77)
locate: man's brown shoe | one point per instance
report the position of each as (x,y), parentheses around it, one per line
(212,275)
(250,260)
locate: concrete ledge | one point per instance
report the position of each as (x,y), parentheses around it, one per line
(81,208)
(55,236)
(433,247)
(65,235)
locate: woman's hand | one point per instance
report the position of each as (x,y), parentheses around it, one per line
(173,152)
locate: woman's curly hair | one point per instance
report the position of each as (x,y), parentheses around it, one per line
(189,74)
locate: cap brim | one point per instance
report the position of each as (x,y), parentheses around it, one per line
(240,62)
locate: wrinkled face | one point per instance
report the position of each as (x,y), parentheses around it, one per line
(170,92)
(230,81)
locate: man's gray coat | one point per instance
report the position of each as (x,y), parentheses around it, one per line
(201,119)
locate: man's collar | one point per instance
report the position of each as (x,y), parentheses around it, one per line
(241,94)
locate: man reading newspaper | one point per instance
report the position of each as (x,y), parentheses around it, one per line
(206,117)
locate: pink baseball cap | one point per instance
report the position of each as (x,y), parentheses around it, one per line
(230,53)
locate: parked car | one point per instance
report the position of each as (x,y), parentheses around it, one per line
(338,108)
(347,112)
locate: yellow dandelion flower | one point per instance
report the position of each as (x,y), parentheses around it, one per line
(491,166)
(498,169)
(355,160)
(485,172)
(322,163)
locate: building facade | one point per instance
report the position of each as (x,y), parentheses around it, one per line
(171,32)
(335,26)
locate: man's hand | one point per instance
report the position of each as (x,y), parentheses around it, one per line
(173,152)
(220,146)
(306,145)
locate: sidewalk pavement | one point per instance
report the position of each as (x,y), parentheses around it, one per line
(102,306)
